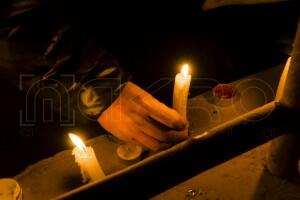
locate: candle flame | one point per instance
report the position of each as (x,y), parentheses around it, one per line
(185,70)
(77,142)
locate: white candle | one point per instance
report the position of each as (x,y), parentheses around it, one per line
(181,90)
(86,159)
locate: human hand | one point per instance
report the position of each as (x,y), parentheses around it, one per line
(136,116)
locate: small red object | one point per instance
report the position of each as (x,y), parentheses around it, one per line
(224,91)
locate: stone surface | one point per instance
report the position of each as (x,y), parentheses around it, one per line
(206,111)
(242,178)
(56,175)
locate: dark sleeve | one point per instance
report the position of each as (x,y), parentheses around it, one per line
(14,11)
(62,62)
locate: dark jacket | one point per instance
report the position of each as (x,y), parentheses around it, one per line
(49,52)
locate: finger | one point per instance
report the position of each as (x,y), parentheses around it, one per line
(154,108)
(113,128)
(159,132)
(161,112)
(148,127)
(169,134)
(176,136)
(162,133)
(144,139)
(121,136)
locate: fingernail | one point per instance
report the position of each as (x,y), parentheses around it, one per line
(180,127)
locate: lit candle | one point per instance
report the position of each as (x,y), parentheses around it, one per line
(181,90)
(86,159)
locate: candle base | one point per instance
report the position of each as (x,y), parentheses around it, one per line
(129,153)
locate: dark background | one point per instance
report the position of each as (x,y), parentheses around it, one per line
(151,39)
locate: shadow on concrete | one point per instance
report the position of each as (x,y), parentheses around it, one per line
(271,187)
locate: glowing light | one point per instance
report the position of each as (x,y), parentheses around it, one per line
(185,70)
(78,142)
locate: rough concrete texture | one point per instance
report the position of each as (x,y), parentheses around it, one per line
(56,175)
(242,178)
